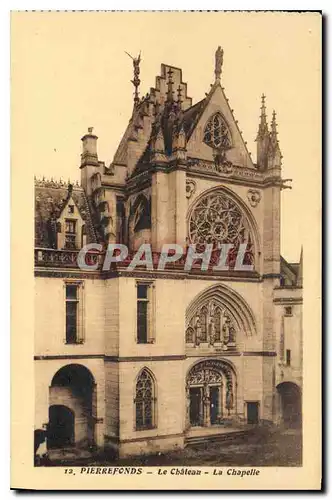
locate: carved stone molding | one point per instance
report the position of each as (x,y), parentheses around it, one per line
(254,197)
(190,188)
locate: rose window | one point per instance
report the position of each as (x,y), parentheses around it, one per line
(216,133)
(217,219)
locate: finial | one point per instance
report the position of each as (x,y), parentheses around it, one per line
(136,81)
(274,124)
(219,57)
(170,85)
(90,130)
(263,129)
(179,97)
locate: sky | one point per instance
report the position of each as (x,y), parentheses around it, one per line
(69,71)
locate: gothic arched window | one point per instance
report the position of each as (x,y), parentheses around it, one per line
(145,401)
(217,218)
(141,212)
(216,133)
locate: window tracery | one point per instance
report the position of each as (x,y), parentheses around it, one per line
(216,133)
(145,401)
(217,218)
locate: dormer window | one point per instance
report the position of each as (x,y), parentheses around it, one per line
(216,133)
(70,234)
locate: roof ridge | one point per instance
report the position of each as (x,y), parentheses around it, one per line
(57,184)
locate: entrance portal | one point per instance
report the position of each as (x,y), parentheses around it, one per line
(291,404)
(214,405)
(210,393)
(72,406)
(196,406)
(61,430)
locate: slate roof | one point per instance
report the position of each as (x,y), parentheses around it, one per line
(50,199)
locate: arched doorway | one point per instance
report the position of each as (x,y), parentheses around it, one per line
(72,398)
(61,431)
(290,404)
(211,393)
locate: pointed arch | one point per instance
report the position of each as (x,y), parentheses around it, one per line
(217,134)
(141,213)
(145,400)
(220,297)
(240,207)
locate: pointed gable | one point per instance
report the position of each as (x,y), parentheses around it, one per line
(216,103)
(51,201)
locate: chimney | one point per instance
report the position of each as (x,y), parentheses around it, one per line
(89,154)
(89,159)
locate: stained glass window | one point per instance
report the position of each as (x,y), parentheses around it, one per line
(145,401)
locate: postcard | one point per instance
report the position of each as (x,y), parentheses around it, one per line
(166,246)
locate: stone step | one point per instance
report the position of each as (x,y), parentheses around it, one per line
(221,437)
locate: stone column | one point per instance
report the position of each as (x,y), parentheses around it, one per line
(187,420)
(206,406)
(220,412)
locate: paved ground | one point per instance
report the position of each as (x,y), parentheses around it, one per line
(262,448)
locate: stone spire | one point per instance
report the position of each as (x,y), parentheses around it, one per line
(262,138)
(299,280)
(158,147)
(274,153)
(274,133)
(263,129)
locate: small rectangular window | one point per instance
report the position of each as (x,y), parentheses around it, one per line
(70,234)
(71,209)
(144,326)
(73,325)
(288,357)
(70,226)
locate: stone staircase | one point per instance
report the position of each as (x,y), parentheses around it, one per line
(232,436)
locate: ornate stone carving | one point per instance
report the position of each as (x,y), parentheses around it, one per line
(217,218)
(227,168)
(190,188)
(212,371)
(211,323)
(254,197)
(204,377)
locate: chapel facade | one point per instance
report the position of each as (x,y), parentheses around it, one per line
(142,360)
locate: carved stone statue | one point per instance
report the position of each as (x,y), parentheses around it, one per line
(212,330)
(229,397)
(219,57)
(136,81)
(226,329)
(198,329)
